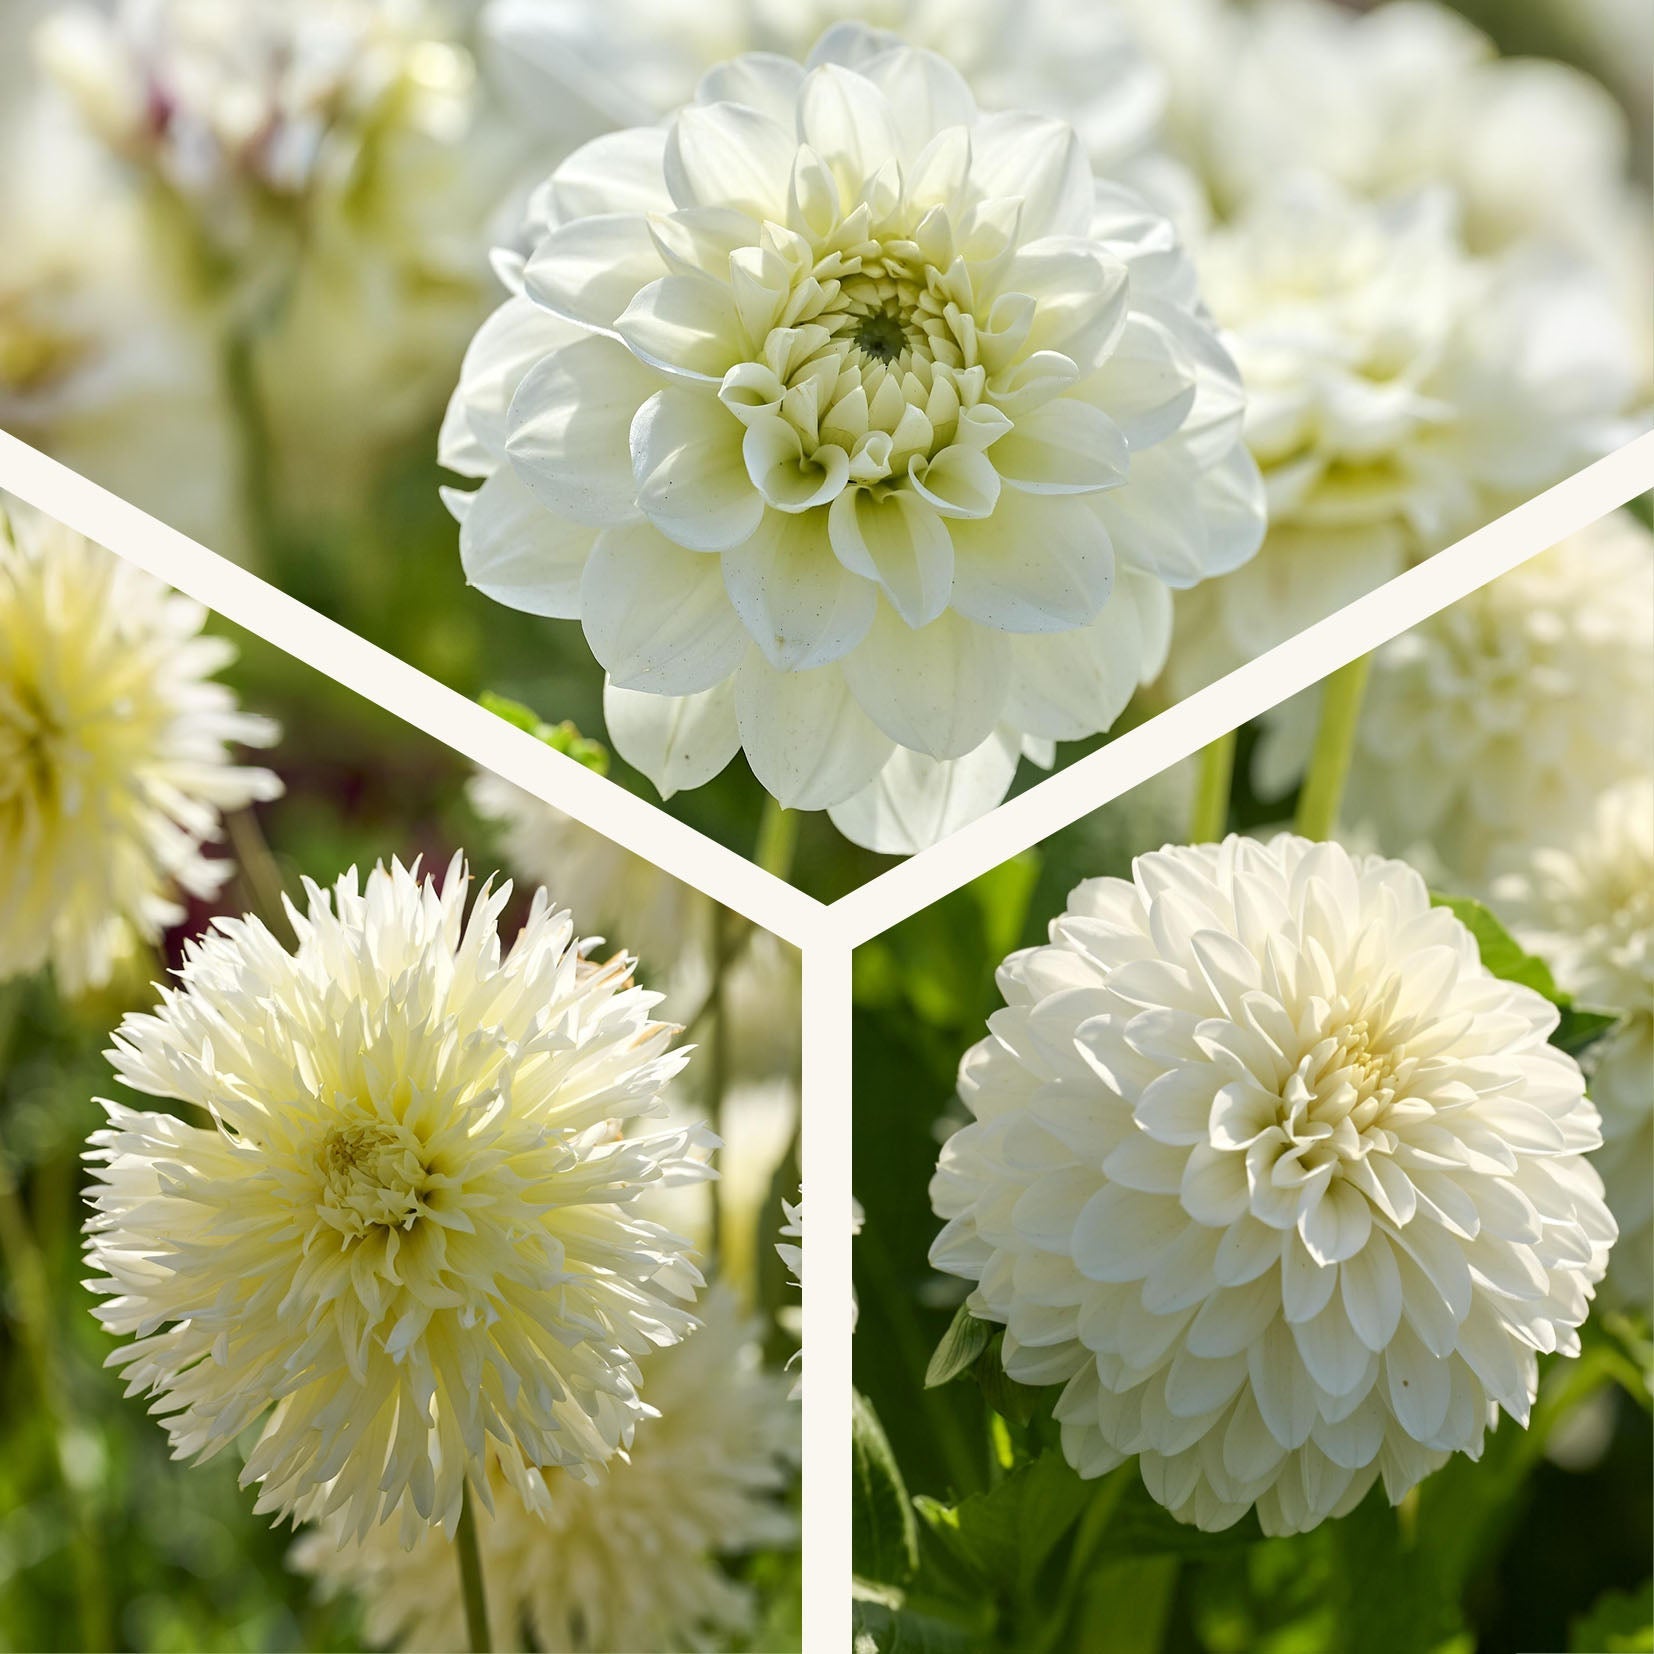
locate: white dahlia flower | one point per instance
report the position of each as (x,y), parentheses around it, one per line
(1494,724)
(1586,907)
(1400,393)
(1275,1178)
(407,1232)
(115,765)
(579,69)
(629,1560)
(860,430)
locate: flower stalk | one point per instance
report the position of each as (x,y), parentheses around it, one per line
(1210,814)
(470,1576)
(1329,763)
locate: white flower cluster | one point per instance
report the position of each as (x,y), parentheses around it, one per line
(860,429)
(1275,1178)
(407,1231)
(629,1559)
(115,766)
(1586,906)
(1494,726)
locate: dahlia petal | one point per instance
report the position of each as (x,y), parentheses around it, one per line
(1195,1386)
(1042,164)
(766,81)
(958,482)
(939,690)
(1248,1249)
(1336,1359)
(689,475)
(1039,564)
(1233,1318)
(1119,1231)
(1307,1283)
(899,542)
(849,123)
(1081,292)
(808,742)
(678,741)
(1064,447)
(684,324)
(1141,1162)
(1337,1225)
(1371,1286)
(729,155)
(802,607)
(783,475)
(569,425)
(1213,1187)
(506,346)
(1146,384)
(657,616)
(1418,1384)
(589,270)
(516,552)
(615,172)
(916,801)
(1282,1388)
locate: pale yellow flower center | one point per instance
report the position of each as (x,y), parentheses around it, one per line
(373,1177)
(874,360)
(1334,1103)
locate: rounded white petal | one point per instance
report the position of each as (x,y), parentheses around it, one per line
(656,616)
(915,801)
(678,741)
(516,552)
(807,740)
(570,424)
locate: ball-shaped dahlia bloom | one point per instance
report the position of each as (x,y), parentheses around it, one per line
(630,1559)
(1401,392)
(405,1231)
(115,765)
(1492,726)
(861,430)
(1586,907)
(1275,1178)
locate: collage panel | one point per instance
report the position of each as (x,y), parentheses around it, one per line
(838,428)
(1255,1177)
(399,1182)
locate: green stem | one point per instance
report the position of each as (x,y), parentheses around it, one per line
(1329,762)
(1088,1536)
(777,839)
(260,874)
(470,1577)
(31,1296)
(1210,815)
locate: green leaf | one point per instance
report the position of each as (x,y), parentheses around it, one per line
(966,1338)
(884,1536)
(562,737)
(1619,1622)
(1005,1535)
(885,1626)
(1391,1593)
(1580,1029)
(1138,1527)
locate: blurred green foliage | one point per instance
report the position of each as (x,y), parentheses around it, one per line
(105,1541)
(1013,1552)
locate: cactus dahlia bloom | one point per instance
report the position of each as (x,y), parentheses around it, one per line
(114,754)
(859,429)
(1586,907)
(1275,1178)
(407,1233)
(627,1560)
